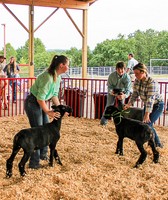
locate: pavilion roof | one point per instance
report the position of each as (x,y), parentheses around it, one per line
(74,4)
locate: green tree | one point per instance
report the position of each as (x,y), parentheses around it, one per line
(89,57)
(38,48)
(139,49)
(145,45)
(162,45)
(20,56)
(75,57)
(42,60)
(109,52)
(102,54)
(10,51)
(151,44)
(2,52)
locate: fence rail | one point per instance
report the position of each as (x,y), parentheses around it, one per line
(87,97)
(92,72)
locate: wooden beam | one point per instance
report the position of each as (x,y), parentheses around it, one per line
(46,19)
(74,23)
(84,44)
(31,41)
(15,17)
(74,4)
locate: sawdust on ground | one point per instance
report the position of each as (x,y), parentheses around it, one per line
(91,170)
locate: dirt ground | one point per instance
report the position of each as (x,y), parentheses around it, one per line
(91,170)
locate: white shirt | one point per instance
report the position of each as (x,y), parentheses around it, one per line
(2,65)
(131,63)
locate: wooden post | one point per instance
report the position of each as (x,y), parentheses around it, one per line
(31,41)
(84,44)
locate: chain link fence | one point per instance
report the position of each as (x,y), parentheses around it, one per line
(93,72)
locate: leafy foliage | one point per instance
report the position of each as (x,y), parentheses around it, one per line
(145,45)
(10,51)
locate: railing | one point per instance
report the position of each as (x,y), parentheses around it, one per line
(92,72)
(22,89)
(87,97)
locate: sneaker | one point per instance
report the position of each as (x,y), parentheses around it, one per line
(159,145)
(103,123)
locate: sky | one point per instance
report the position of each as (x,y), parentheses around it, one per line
(106,20)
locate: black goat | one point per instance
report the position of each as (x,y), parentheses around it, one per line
(133,129)
(36,138)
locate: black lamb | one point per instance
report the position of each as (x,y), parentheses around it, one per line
(34,138)
(135,130)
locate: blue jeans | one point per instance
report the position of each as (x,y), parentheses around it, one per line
(13,85)
(36,118)
(154,115)
(110,101)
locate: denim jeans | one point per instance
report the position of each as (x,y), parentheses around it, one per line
(110,101)
(36,118)
(154,115)
(13,85)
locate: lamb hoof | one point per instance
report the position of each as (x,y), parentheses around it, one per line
(8,174)
(23,174)
(117,151)
(59,162)
(137,165)
(51,164)
(156,158)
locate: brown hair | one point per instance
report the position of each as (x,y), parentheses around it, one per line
(120,65)
(131,54)
(141,67)
(14,65)
(56,61)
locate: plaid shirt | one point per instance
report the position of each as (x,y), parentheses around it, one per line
(148,91)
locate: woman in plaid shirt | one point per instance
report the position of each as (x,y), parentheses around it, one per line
(147,89)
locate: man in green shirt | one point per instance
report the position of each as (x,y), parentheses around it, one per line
(117,80)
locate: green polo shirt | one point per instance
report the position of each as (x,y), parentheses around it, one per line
(44,87)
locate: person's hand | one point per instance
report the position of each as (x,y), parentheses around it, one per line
(146,118)
(111,93)
(55,115)
(126,106)
(66,114)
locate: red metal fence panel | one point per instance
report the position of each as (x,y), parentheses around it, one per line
(87,97)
